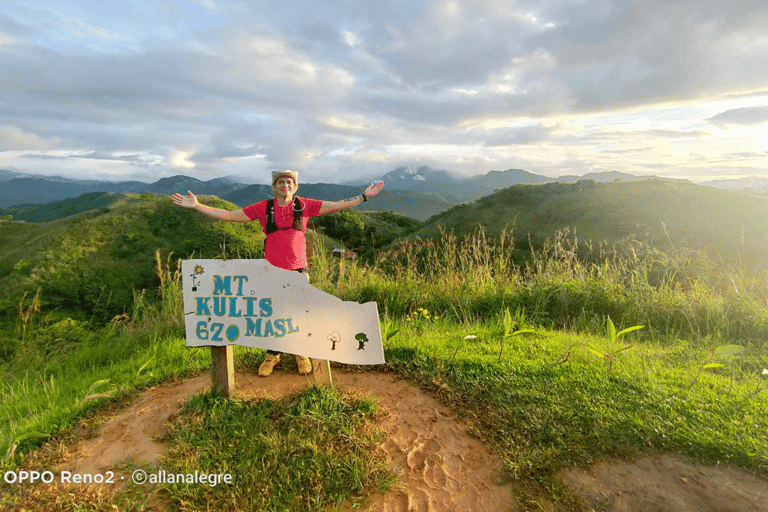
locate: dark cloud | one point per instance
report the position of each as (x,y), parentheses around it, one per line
(519,136)
(101,155)
(615,54)
(43,156)
(10,27)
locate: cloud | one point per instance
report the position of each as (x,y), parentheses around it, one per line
(744,116)
(102,155)
(515,136)
(13,138)
(262,60)
(12,29)
(208,5)
(621,53)
(6,42)
(337,88)
(177,159)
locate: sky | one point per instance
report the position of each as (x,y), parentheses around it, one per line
(346,90)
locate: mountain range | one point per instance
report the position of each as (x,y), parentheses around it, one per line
(418,192)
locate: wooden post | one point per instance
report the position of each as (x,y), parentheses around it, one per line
(321,369)
(223,370)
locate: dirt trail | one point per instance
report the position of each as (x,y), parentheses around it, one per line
(666,483)
(443,468)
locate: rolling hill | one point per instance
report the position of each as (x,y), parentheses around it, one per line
(727,226)
(59,209)
(90,265)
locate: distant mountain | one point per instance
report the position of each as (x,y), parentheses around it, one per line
(449,188)
(253,194)
(739,184)
(40,190)
(481,185)
(440,182)
(117,187)
(236,180)
(416,204)
(180,183)
(602,177)
(417,192)
(411,203)
(10,175)
(420,178)
(424,178)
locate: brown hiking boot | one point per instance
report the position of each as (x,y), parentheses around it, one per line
(305,367)
(270,361)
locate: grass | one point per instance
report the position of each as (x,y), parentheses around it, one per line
(673,294)
(541,399)
(315,450)
(64,368)
(550,403)
(312,451)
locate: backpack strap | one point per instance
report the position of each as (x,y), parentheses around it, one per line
(270,216)
(298,213)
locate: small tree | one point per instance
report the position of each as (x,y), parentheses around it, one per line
(613,348)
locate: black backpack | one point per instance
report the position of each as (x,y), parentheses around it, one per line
(298,213)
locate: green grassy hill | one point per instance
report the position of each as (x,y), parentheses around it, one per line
(365,231)
(725,225)
(57,210)
(89,265)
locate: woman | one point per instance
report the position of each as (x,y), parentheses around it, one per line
(284,220)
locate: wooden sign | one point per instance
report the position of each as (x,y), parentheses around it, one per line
(254,304)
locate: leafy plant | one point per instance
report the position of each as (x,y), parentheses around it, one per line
(21,438)
(389,330)
(91,393)
(509,325)
(612,349)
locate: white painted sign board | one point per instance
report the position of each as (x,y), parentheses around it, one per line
(255,304)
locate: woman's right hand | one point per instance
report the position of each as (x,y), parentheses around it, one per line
(188,201)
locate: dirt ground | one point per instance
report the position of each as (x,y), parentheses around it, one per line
(443,468)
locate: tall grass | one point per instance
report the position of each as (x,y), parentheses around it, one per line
(65,368)
(678,294)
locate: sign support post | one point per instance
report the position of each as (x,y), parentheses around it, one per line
(321,370)
(223,370)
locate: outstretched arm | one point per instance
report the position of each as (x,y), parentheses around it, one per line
(348,204)
(190,202)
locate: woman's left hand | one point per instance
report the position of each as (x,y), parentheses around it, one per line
(374,189)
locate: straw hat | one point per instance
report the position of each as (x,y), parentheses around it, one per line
(294,175)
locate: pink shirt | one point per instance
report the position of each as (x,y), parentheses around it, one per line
(286,248)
